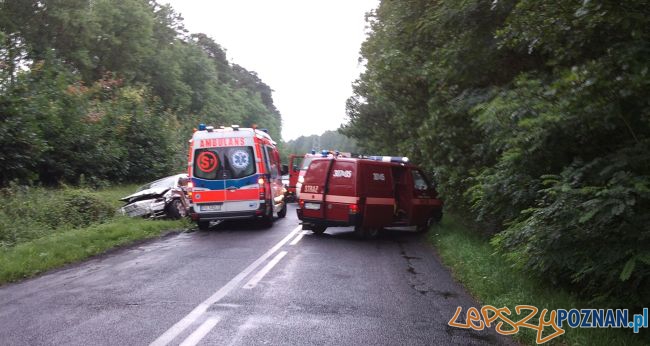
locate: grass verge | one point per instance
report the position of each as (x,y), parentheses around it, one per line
(493,281)
(57,249)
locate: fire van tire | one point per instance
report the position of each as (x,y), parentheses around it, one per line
(283,212)
(318,229)
(366,232)
(435,218)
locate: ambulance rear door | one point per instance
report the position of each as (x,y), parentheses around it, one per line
(241,178)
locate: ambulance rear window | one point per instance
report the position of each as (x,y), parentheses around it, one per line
(224,163)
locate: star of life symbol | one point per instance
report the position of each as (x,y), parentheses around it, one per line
(240,159)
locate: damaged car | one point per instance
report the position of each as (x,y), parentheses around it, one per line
(163,198)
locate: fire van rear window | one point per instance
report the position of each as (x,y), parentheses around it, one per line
(224,163)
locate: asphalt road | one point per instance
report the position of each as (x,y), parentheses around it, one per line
(238,284)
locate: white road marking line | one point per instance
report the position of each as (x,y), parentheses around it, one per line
(201,332)
(297,238)
(200,309)
(260,274)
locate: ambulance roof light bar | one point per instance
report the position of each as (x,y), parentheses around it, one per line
(209,128)
(235,127)
(201,127)
(396,159)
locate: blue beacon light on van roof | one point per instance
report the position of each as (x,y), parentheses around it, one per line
(201,127)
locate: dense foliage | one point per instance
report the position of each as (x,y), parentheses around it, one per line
(535,117)
(329,140)
(109,91)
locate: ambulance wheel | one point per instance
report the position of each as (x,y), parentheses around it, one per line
(267,219)
(203,225)
(283,212)
(318,229)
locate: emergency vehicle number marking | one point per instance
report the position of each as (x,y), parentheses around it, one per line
(240,159)
(378,176)
(339,173)
(207,161)
(311,188)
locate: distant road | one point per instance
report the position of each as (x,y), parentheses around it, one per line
(242,285)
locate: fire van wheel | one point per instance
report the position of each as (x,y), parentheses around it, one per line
(366,232)
(283,212)
(319,229)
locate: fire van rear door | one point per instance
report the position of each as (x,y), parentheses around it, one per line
(341,190)
(313,189)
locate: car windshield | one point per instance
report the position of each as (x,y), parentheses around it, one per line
(224,163)
(168,182)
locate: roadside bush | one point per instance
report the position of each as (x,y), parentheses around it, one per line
(31,213)
(591,229)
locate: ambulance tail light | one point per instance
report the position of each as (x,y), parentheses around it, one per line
(301,203)
(261,182)
(353,208)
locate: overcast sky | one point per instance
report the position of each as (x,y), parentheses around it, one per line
(306,51)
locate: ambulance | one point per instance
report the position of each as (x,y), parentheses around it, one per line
(368,194)
(235,173)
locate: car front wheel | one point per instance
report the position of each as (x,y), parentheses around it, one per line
(176,210)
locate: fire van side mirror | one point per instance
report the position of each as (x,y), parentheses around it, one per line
(285,169)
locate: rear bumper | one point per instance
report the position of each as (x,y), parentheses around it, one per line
(228,215)
(308,222)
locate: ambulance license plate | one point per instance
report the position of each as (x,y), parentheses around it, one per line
(312,206)
(211,207)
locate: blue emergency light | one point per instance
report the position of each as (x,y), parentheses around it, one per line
(313,151)
(201,127)
(396,159)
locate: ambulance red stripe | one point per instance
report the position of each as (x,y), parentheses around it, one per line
(243,194)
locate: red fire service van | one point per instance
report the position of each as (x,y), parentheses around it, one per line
(368,194)
(235,174)
(298,165)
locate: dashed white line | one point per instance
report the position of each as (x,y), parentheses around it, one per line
(201,332)
(260,275)
(297,238)
(200,309)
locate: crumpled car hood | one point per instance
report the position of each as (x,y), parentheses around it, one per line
(153,192)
